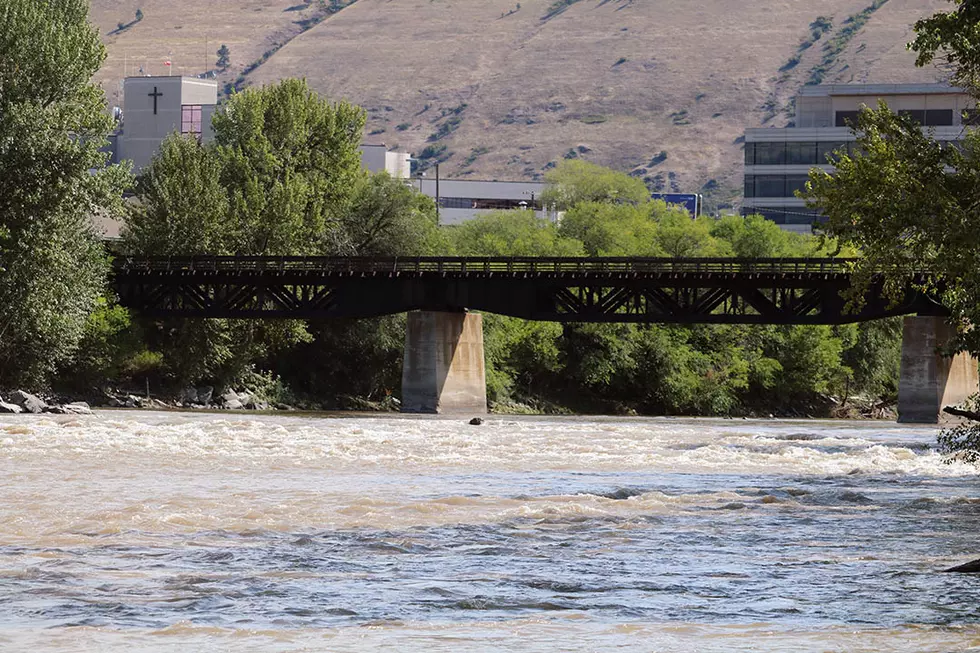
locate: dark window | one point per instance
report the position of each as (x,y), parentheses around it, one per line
(749,186)
(824,149)
(939,117)
(770,186)
(795,183)
(776,215)
(750,154)
(190,119)
(770,154)
(801,153)
(488,204)
(846,118)
(917,115)
(971,117)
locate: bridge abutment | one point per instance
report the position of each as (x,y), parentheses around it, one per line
(444,369)
(928,380)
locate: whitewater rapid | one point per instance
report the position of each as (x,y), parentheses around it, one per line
(185,531)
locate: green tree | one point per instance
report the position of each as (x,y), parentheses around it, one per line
(224,57)
(290,163)
(511,233)
(183,206)
(139,15)
(575,181)
(53,179)
(389,218)
(280,179)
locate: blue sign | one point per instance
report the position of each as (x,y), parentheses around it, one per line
(691,202)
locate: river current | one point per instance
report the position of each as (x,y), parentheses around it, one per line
(195,532)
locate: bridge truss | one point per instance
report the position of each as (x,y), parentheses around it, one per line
(651,290)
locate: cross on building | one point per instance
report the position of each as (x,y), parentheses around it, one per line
(155,94)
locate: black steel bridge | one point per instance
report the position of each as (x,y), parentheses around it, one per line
(661,290)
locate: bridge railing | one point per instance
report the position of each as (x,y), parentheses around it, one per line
(480,265)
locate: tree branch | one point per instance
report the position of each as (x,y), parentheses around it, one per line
(968,414)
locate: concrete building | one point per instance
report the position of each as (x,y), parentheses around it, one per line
(777,161)
(460,200)
(376,158)
(155,107)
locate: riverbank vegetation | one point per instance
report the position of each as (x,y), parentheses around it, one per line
(187,204)
(282,176)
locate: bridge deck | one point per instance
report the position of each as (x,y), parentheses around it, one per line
(710,290)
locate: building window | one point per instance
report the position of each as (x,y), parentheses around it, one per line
(829,147)
(801,153)
(770,186)
(749,186)
(770,154)
(846,118)
(190,119)
(750,154)
(939,117)
(484,204)
(971,117)
(795,183)
(918,116)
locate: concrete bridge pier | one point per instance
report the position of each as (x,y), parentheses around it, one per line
(928,380)
(444,368)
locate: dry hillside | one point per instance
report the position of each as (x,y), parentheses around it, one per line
(501,90)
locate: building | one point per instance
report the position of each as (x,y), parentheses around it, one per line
(778,161)
(155,107)
(460,200)
(376,158)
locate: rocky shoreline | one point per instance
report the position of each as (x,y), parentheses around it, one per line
(204,398)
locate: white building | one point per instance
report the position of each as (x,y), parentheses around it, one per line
(460,200)
(778,161)
(155,107)
(377,158)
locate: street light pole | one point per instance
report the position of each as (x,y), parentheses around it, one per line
(437,193)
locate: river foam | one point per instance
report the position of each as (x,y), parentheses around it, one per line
(175,531)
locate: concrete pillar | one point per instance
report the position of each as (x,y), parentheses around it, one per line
(444,368)
(929,381)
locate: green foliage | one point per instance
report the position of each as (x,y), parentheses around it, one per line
(389,218)
(139,15)
(575,181)
(53,179)
(907,201)
(511,233)
(954,38)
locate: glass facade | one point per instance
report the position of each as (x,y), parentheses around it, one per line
(793,153)
(774,185)
(488,204)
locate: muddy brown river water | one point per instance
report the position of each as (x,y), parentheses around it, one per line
(194,532)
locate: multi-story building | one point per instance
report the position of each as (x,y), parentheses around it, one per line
(156,107)
(778,161)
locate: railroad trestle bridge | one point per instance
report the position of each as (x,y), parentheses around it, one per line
(444,368)
(716,290)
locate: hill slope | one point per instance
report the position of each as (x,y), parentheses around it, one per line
(497,89)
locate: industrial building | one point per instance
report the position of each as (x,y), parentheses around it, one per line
(778,160)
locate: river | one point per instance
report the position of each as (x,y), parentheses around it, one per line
(192,532)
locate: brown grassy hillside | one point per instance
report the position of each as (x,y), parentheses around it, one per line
(658,87)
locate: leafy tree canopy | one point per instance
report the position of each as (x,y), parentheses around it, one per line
(574,181)
(53,180)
